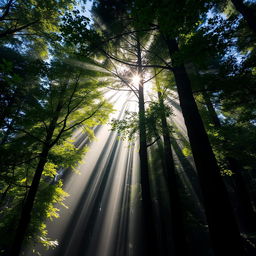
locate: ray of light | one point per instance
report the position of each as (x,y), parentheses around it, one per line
(136,79)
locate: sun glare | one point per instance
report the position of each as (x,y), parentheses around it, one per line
(136,80)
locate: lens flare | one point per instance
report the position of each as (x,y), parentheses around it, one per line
(136,80)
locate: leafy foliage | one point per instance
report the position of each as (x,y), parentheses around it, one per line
(43,102)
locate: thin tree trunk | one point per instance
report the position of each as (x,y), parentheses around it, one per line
(4,194)
(150,233)
(177,220)
(28,206)
(247,12)
(245,209)
(211,109)
(223,228)
(29,202)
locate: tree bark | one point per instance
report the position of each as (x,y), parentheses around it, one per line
(247,12)
(148,217)
(223,228)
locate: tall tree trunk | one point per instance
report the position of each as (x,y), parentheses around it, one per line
(245,209)
(177,220)
(247,12)
(148,216)
(30,199)
(223,228)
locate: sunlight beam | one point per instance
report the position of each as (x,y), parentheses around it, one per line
(136,79)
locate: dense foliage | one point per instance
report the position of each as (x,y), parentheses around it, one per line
(201,52)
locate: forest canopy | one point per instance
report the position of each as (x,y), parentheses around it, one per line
(191,59)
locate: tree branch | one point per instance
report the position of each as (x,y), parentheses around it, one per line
(12,31)
(117,89)
(148,145)
(153,76)
(134,64)
(7,10)
(76,124)
(86,118)
(128,33)
(29,134)
(121,78)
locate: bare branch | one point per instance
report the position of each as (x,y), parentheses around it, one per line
(74,125)
(86,118)
(122,79)
(117,89)
(156,55)
(129,33)
(153,76)
(134,64)
(153,142)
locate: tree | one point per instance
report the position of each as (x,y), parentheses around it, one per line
(201,148)
(69,103)
(175,30)
(171,179)
(217,76)
(32,16)
(225,152)
(221,223)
